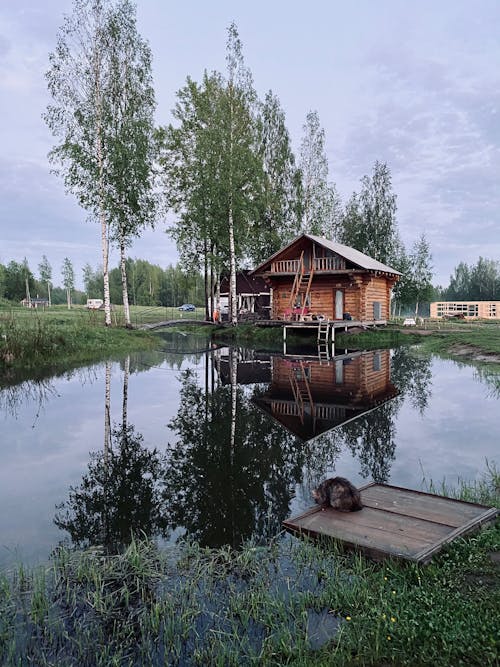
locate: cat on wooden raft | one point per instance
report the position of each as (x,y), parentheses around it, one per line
(339,493)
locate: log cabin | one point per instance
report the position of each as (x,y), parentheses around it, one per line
(315,278)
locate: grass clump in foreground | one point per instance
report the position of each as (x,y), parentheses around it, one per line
(289,603)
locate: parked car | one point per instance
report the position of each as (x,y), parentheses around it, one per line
(187,306)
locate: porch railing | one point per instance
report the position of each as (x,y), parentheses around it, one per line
(285,266)
(329,263)
(319,264)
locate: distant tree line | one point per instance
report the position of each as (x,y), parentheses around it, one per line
(474,282)
(148,284)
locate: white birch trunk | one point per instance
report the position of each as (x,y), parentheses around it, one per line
(123,271)
(48,290)
(100,162)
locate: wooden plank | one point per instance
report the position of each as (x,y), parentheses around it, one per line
(396,522)
(440,509)
(487,516)
(391,533)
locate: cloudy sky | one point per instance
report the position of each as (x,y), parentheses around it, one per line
(414,84)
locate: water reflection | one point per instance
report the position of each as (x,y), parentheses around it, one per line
(249,430)
(231,472)
(121,494)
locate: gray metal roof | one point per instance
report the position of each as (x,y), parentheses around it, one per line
(352,255)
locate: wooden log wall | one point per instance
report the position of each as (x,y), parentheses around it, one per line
(363,377)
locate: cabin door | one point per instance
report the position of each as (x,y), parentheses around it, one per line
(339,304)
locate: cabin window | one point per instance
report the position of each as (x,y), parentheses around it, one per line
(376,361)
(493,310)
(377,310)
(303,373)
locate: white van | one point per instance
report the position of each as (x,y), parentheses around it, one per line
(94,304)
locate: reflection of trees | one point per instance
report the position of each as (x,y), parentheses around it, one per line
(30,392)
(372,438)
(228,480)
(490,376)
(120,495)
(412,375)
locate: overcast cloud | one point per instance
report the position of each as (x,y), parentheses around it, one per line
(415,84)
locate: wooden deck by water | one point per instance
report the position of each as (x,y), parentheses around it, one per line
(395,522)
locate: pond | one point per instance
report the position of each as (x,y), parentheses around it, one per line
(221,445)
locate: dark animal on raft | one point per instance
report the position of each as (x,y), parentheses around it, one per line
(338,493)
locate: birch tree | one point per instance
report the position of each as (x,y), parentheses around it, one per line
(45,271)
(241,168)
(68,276)
(100,83)
(131,146)
(78,81)
(279,215)
(321,207)
(421,271)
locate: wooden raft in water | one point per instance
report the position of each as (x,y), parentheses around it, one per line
(395,522)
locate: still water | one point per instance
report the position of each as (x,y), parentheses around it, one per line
(221,445)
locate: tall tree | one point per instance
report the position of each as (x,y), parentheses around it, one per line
(214,170)
(421,271)
(241,168)
(68,276)
(278,220)
(321,208)
(370,223)
(190,158)
(45,271)
(82,83)
(131,146)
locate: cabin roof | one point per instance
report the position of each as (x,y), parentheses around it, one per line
(246,283)
(355,256)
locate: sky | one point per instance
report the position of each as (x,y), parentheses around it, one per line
(412,84)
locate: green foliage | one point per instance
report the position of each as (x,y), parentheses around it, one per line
(479,281)
(13,279)
(320,205)
(370,224)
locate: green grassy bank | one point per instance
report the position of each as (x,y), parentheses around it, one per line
(291,602)
(34,343)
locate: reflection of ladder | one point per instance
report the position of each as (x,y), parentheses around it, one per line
(323,353)
(323,331)
(301,390)
(301,285)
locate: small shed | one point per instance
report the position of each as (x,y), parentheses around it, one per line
(319,277)
(252,292)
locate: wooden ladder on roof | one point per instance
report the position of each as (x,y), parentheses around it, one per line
(301,285)
(301,390)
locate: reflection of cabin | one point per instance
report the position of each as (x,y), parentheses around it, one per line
(312,397)
(470,310)
(313,277)
(252,367)
(252,293)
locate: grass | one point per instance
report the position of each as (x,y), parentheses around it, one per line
(38,343)
(292,602)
